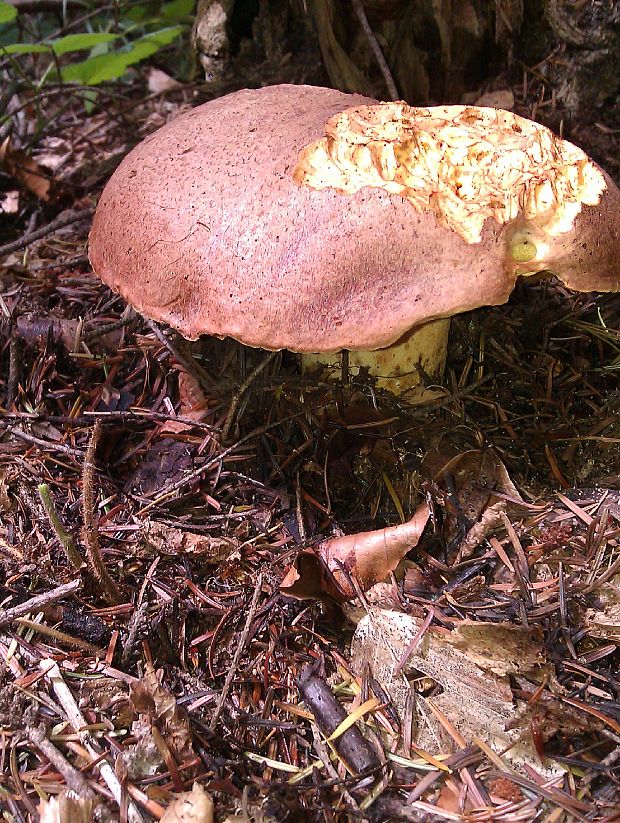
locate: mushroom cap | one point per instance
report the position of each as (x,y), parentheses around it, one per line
(207,225)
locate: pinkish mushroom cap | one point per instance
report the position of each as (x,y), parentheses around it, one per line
(244,218)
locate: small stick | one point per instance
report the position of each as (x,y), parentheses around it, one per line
(59,223)
(45,444)
(236,399)
(73,778)
(58,636)
(90,531)
(15,366)
(187,361)
(95,334)
(66,541)
(135,624)
(76,719)
(376,49)
(352,747)
(38,601)
(237,654)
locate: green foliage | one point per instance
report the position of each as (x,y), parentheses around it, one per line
(7,13)
(114,42)
(63,45)
(113,65)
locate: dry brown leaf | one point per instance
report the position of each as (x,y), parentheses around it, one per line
(477,703)
(9,202)
(500,648)
(367,557)
(170,541)
(469,481)
(158,81)
(450,801)
(190,807)
(604,624)
(192,404)
(23,168)
(157,706)
(67,807)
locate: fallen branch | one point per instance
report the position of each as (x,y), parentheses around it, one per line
(40,600)
(65,219)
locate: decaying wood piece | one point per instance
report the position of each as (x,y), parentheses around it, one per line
(357,753)
(210,35)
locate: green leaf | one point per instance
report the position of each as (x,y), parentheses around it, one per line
(77,42)
(96,70)
(90,97)
(72,42)
(177,9)
(163,37)
(7,13)
(25,48)
(136,14)
(111,66)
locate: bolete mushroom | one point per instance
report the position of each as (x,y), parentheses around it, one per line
(303,218)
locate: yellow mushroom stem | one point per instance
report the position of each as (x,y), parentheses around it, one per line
(418,355)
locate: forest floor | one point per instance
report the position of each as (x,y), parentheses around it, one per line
(149,512)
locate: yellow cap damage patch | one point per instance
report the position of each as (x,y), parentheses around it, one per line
(465,163)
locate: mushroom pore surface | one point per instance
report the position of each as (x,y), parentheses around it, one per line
(204,226)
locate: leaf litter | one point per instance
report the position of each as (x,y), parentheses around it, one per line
(470,674)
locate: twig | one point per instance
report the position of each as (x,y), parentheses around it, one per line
(75,717)
(45,444)
(237,655)
(134,626)
(236,399)
(187,361)
(60,222)
(58,636)
(15,367)
(376,49)
(329,714)
(38,601)
(65,539)
(90,531)
(73,778)
(95,334)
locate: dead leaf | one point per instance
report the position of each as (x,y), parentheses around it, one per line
(171,541)
(192,404)
(190,807)
(157,706)
(164,462)
(450,801)
(477,703)
(469,481)
(158,81)
(500,648)
(9,202)
(367,557)
(604,624)
(67,807)
(23,168)
(500,99)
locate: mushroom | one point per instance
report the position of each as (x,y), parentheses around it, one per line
(303,218)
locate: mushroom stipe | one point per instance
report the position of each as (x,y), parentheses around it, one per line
(304,218)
